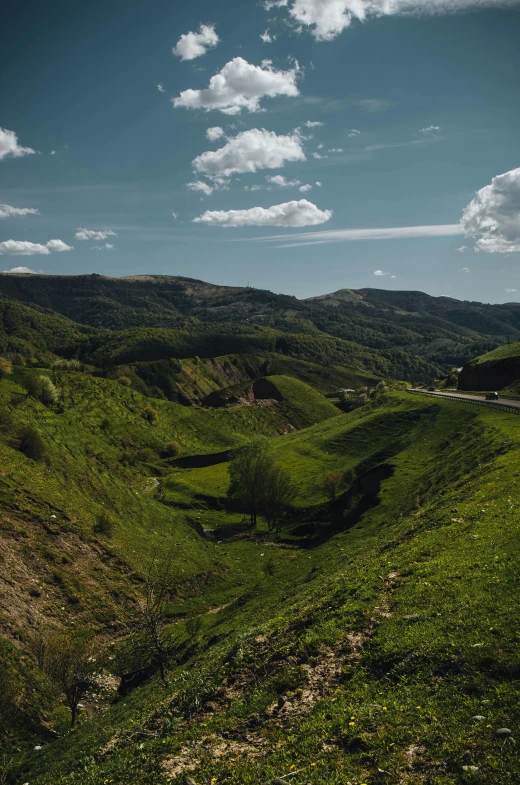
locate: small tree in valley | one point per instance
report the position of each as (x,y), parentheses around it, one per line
(70,663)
(332,482)
(249,471)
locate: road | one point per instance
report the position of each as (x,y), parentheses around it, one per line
(465,397)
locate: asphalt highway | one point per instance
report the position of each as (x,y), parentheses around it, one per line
(465,397)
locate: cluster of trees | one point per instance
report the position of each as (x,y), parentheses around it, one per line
(259,483)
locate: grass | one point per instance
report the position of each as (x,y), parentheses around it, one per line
(386,641)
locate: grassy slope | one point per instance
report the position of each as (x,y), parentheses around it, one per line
(500,353)
(198,378)
(417,606)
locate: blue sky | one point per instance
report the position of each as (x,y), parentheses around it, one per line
(418,113)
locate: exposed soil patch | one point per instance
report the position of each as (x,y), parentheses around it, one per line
(251,739)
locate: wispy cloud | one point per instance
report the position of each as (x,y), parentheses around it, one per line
(349,235)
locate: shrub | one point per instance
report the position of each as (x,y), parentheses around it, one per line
(172,450)
(103,525)
(31,443)
(41,388)
(6,367)
(67,365)
(125,381)
(145,455)
(150,414)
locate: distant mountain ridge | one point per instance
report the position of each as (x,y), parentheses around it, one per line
(441,331)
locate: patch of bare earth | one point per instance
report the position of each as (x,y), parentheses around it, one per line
(323,675)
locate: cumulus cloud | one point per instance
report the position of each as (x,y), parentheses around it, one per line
(20,270)
(94,234)
(25,248)
(461,248)
(313,123)
(267,38)
(214,133)
(493,216)
(282,181)
(161,88)
(296,213)
(240,85)
(305,188)
(6,211)
(382,273)
(200,185)
(58,246)
(432,129)
(249,151)
(9,145)
(192,45)
(252,187)
(328,18)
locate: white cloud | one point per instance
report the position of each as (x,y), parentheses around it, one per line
(9,145)
(214,133)
(313,123)
(240,85)
(175,215)
(382,272)
(94,234)
(192,45)
(301,213)
(328,18)
(335,150)
(252,187)
(319,156)
(280,180)
(305,188)
(511,290)
(267,38)
(465,270)
(494,215)
(200,185)
(432,129)
(317,183)
(461,248)
(161,88)
(6,211)
(20,270)
(58,246)
(346,235)
(249,151)
(25,248)
(354,132)
(104,247)
(52,152)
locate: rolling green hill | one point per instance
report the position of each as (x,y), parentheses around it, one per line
(391,647)
(369,636)
(403,327)
(493,370)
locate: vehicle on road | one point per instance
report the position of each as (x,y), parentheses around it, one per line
(492,396)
